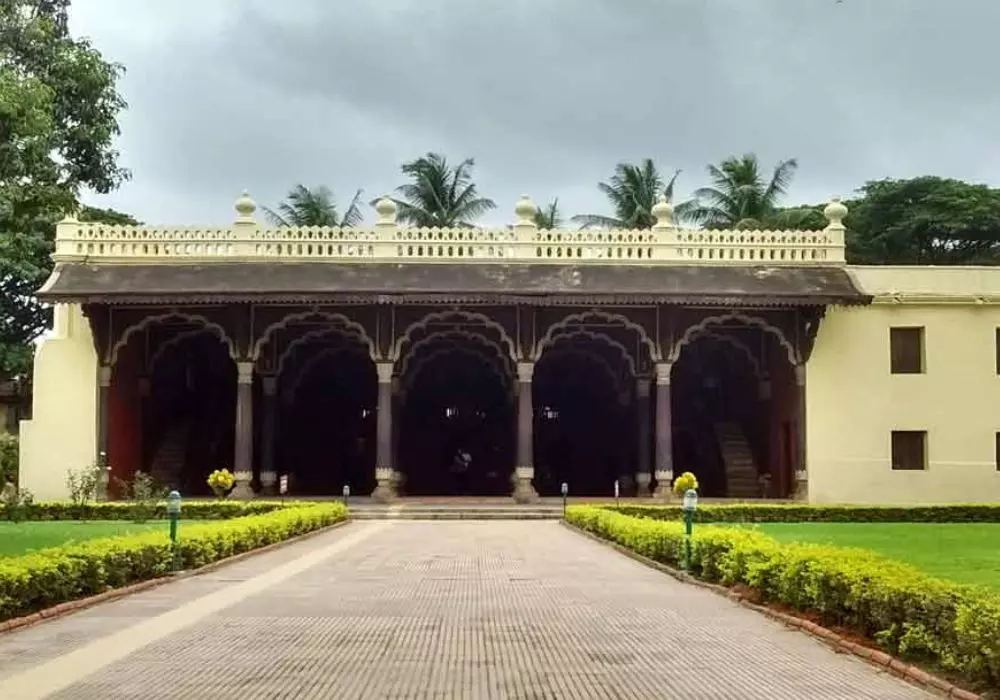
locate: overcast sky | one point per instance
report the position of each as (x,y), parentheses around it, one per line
(547,95)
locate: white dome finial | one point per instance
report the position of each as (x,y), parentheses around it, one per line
(245,208)
(835,212)
(663,212)
(525,210)
(386,210)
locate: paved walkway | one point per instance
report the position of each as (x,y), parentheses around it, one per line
(414,609)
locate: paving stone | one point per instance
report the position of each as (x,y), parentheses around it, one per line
(464,609)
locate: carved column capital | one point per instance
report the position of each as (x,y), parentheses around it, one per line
(384,371)
(244,372)
(663,373)
(800,374)
(525,370)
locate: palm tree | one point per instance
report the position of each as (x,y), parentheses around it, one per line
(742,198)
(314,207)
(632,191)
(549,216)
(440,195)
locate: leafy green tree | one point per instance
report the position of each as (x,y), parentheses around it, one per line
(632,192)
(549,216)
(924,220)
(107,216)
(314,207)
(59,108)
(742,197)
(440,195)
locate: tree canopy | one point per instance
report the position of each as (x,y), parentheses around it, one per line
(924,221)
(632,191)
(314,207)
(440,194)
(742,197)
(59,108)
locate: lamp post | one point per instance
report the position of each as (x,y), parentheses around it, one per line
(174,514)
(565,492)
(689,507)
(347,493)
(617,492)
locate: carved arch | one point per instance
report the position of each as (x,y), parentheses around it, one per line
(607,317)
(691,333)
(621,388)
(317,333)
(572,333)
(464,316)
(457,339)
(288,394)
(145,323)
(306,315)
(491,366)
(736,343)
(161,351)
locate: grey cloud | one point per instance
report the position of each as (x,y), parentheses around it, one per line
(547,94)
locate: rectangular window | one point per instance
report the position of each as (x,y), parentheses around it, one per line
(909,450)
(906,350)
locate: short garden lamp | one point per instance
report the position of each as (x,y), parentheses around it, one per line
(347,493)
(689,507)
(564,489)
(173,514)
(617,492)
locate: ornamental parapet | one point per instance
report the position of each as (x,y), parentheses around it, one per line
(386,241)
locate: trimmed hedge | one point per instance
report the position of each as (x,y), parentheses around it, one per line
(913,615)
(125,510)
(42,579)
(794,513)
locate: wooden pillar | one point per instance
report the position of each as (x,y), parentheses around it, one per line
(268,472)
(385,486)
(801,492)
(243,454)
(643,474)
(664,432)
(524,468)
(103,395)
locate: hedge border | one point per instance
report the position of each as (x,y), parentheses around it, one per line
(801,512)
(61,511)
(57,576)
(72,606)
(873,657)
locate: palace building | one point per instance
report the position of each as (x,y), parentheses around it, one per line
(406,361)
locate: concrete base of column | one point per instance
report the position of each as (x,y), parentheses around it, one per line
(801,490)
(385,488)
(242,491)
(269,483)
(524,491)
(664,485)
(642,482)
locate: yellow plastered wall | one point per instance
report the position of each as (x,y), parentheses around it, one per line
(62,432)
(853,402)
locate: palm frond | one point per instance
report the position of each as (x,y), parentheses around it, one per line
(597,221)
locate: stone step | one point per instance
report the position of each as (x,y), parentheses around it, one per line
(455,514)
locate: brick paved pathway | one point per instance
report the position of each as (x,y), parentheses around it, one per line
(419,609)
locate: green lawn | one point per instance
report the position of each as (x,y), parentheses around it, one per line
(964,552)
(21,538)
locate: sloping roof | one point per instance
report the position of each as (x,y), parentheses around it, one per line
(295,282)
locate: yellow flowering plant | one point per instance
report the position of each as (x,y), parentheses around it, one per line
(220,481)
(685,481)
